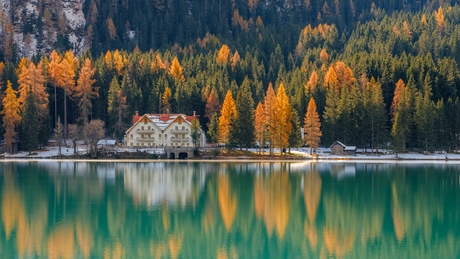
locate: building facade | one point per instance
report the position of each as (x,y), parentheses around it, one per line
(160,130)
(340,149)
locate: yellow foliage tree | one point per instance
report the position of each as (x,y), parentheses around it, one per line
(84,92)
(312,82)
(112,29)
(108,59)
(224,51)
(227,113)
(176,70)
(31,79)
(11,116)
(269,110)
(312,126)
(440,22)
(166,106)
(281,127)
(66,82)
(260,124)
(330,79)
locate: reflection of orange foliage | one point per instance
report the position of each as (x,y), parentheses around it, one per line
(338,245)
(208,220)
(61,243)
(312,194)
(227,202)
(157,250)
(221,254)
(84,239)
(175,244)
(259,198)
(117,251)
(281,190)
(165,216)
(274,201)
(397,217)
(31,231)
(311,233)
(11,204)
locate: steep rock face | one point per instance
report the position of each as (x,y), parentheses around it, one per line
(45,20)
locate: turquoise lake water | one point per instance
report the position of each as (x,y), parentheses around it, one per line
(229,210)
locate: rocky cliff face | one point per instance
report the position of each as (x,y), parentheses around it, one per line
(39,24)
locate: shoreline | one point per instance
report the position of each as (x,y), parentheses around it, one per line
(235,160)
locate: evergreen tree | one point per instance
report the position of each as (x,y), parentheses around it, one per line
(29,124)
(424,117)
(213,131)
(195,131)
(259,123)
(295,137)
(244,122)
(331,116)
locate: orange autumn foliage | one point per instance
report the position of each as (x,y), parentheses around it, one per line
(227,201)
(228,111)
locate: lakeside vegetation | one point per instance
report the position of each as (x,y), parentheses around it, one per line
(389,76)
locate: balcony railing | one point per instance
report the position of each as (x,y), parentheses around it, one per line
(173,139)
(179,131)
(145,131)
(145,139)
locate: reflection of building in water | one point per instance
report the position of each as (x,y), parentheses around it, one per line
(156,184)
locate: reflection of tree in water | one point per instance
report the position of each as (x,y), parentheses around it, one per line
(272,196)
(312,197)
(351,217)
(227,201)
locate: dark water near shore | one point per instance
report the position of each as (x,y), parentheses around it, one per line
(229,210)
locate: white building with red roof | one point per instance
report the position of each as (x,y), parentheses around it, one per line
(160,130)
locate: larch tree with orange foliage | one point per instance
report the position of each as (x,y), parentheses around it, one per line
(84,92)
(269,110)
(212,105)
(312,127)
(54,72)
(66,82)
(228,113)
(260,125)
(224,52)
(11,116)
(176,70)
(165,102)
(281,126)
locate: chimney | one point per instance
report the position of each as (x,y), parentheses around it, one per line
(194,115)
(137,113)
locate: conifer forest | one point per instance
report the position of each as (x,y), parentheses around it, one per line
(373,74)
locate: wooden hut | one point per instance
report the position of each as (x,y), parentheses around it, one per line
(340,149)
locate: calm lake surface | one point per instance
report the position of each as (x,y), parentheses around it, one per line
(229,210)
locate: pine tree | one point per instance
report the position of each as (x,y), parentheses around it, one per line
(397,133)
(228,112)
(424,117)
(85,92)
(331,116)
(213,131)
(29,124)
(295,137)
(176,70)
(260,125)
(378,116)
(312,127)
(244,124)
(11,116)
(195,131)
(282,125)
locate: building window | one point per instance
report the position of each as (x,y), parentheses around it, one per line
(183,127)
(183,135)
(187,144)
(149,144)
(166,135)
(142,144)
(176,127)
(175,135)
(142,127)
(145,121)
(159,135)
(142,135)
(149,127)
(180,121)
(137,144)
(131,144)
(131,135)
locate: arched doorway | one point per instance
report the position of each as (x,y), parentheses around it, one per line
(172,155)
(183,155)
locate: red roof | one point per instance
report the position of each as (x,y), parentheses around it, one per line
(163,117)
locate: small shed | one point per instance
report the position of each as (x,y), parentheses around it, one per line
(340,149)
